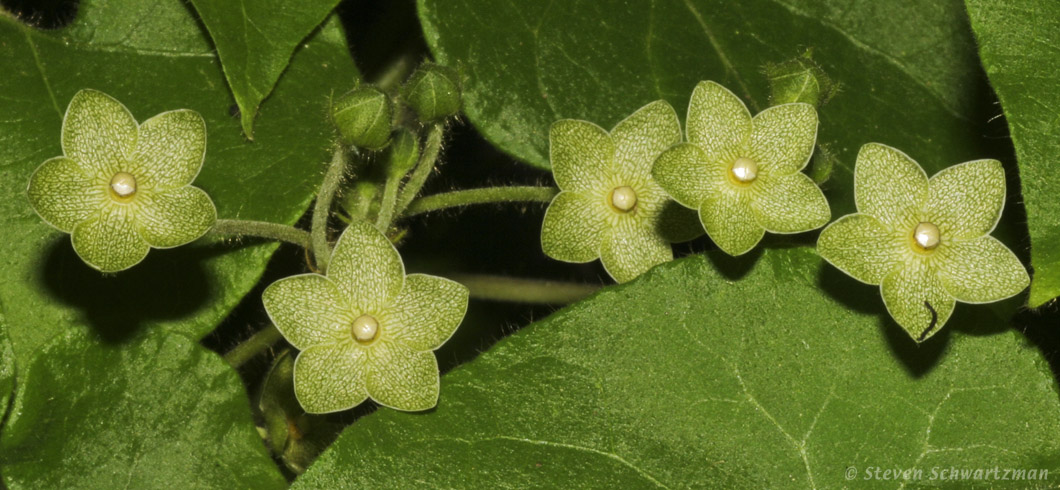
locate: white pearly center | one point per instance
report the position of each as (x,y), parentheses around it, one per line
(365,328)
(926,235)
(123,185)
(744,170)
(623,198)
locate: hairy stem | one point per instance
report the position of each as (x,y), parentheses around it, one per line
(423,169)
(386,207)
(250,348)
(261,229)
(517,290)
(322,209)
(485,195)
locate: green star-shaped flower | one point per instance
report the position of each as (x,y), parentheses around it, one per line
(609,207)
(743,174)
(121,188)
(365,329)
(926,242)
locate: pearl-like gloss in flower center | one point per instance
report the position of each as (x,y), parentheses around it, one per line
(365,328)
(926,235)
(744,170)
(624,198)
(123,185)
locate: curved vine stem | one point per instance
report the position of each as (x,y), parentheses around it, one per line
(485,195)
(250,348)
(261,229)
(518,290)
(322,209)
(423,169)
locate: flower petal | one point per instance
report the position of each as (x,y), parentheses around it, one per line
(109,241)
(982,270)
(730,221)
(308,309)
(718,121)
(790,204)
(888,184)
(331,377)
(367,267)
(631,248)
(965,200)
(99,133)
(427,312)
(687,174)
(173,218)
(401,378)
(860,246)
(573,227)
(581,154)
(676,223)
(641,137)
(916,299)
(63,195)
(170,149)
(783,137)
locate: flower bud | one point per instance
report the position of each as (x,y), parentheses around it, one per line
(403,153)
(364,118)
(799,79)
(433,91)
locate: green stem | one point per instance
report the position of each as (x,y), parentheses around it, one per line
(250,348)
(322,210)
(386,208)
(516,290)
(423,169)
(261,229)
(485,195)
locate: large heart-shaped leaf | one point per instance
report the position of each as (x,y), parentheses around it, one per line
(153,56)
(688,379)
(1018,43)
(161,412)
(255,40)
(908,72)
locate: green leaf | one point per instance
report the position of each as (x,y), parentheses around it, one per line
(154,57)
(909,71)
(1017,43)
(7,368)
(161,412)
(693,380)
(255,41)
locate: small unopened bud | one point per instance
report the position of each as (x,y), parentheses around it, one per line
(403,153)
(433,91)
(364,118)
(799,79)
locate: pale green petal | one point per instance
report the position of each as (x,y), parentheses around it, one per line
(730,221)
(789,204)
(783,137)
(631,248)
(170,150)
(401,378)
(173,218)
(966,199)
(862,247)
(331,377)
(367,267)
(982,270)
(63,195)
(641,137)
(889,185)
(687,174)
(581,154)
(98,132)
(573,227)
(427,312)
(109,241)
(916,299)
(308,309)
(718,121)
